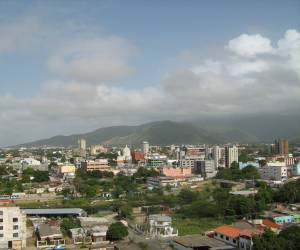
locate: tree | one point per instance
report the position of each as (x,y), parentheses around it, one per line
(63,159)
(116,231)
(187,196)
(125,212)
(250,172)
(234,173)
(69,223)
(144,173)
(289,192)
(244,157)
(291,234)
(38,176)
(267,241)
(66,192)
(234,165)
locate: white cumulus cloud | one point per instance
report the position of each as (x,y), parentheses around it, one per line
(250,45)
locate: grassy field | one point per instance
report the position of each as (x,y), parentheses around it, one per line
(196,226)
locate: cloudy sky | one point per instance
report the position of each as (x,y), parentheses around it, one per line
(69,68)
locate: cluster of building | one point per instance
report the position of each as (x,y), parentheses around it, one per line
(44,228)
(178,165)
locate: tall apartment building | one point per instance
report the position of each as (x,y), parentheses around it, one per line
(146,147)
(218,154)
(206,168)
(282,147)
(82,144)
(231,155)
(12,228)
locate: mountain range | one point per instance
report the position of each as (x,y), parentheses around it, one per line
(211,130)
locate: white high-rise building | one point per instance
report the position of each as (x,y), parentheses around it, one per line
(146,147)
(216,156)
(231,155)
(219,157)
(12,228)
(82,144)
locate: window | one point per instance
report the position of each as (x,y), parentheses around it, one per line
(234,241)
(15,235)
(1,212)
(222,236)
(1,235)
(1,227)
(15,220)
(16,227)
(1,220)
(227,238)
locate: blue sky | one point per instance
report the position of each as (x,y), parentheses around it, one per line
(87,64)
(160,30)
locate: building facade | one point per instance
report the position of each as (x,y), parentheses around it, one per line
(160,226)
(296,169)
(281,147)
(231,155)
(206,168)
(97,165)
(176,172)
(82,144)
(146,147)
(12,228)
(276,171)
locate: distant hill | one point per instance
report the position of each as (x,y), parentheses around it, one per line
(258,128)
(158,133)
(237,129)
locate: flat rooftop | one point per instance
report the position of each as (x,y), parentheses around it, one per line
(201,241)
(54,211)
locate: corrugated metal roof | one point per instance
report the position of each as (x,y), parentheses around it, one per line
(54,211)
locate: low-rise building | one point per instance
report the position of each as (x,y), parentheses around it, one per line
(276,171)
(195,242)
(97,165)
(239,238)
(30,162)
(161,182)
(98,233)
(245,193)
(49,236)
(95,227)
(80,236)
(176,171)
(137,156)
(280,218)
(160,226)
(266,223)
(66,170)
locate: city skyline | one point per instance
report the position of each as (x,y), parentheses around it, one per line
(67,69)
